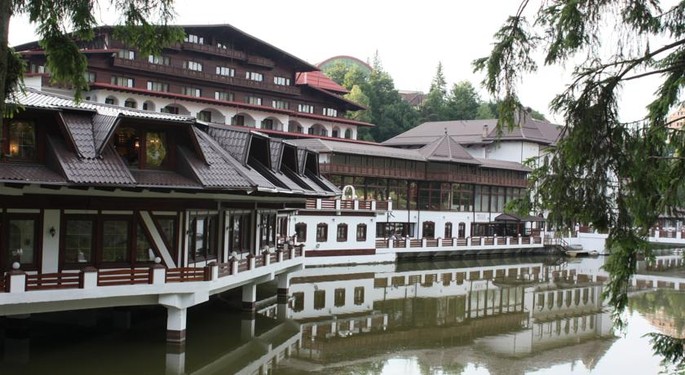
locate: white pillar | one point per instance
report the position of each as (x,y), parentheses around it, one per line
(176,324)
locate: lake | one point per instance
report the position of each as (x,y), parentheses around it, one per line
(522,315)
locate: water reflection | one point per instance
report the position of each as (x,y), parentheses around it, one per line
(525,315)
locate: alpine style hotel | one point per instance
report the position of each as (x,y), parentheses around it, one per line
(225,163)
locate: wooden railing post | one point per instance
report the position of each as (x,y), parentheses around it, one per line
(88,278)
(250,262)
(157,274)
(234,266)
(279,255)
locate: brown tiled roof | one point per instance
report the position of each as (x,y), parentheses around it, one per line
(160,178)
(319,80)
(30,173)
(103,125)
(478,131)
(221,170)
(232,139)
(107,170)
(446,149)
(80,130)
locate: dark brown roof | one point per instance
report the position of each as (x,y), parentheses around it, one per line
(478,132)
(446,149)
(203,162)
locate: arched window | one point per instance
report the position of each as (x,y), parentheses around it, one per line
(348,133)
(462,230)
(428,229)
(301,232)
(361,232)
(342,233)
(111,100)
(130,103)
(321,232)
(448,230)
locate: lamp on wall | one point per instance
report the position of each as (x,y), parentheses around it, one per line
(52,231)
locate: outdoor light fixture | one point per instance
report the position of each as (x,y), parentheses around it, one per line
(52,231)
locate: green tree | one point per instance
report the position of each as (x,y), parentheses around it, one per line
(387,111)
(143,24)
(618,176)
(463,102)
(433,107)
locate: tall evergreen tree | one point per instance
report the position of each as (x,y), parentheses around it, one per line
(433,108)
(463,102)
(390,114)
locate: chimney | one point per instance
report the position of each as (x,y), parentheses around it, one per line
(485,130)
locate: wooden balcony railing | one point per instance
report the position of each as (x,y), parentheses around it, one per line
(383,243)
(174,71)
(214,50)
(44,281)
(156,274)
(124,276)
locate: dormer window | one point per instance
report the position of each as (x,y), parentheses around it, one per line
(144,149)
(21,140)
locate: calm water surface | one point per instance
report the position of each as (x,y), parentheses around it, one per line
(525,315)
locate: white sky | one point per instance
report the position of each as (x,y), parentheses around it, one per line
(411,37)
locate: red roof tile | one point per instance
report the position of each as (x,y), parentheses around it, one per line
(319,80)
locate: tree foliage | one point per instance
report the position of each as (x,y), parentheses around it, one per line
(615,175)
(434,107)
(463,102)
(61,25)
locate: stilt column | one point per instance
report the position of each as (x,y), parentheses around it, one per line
(249,298)
(282,297)
(176,325)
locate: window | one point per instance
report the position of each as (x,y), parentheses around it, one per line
(359,295)
(143,149)
(448,230)
(319,299)
(192,38)
(89,76)
(342,233)
(21,136)
(254,76)
(160,60)
(205,116)
(130,103)
(361,232)
(268,124)
(191,91)
(126,54)
(317,129)
(157,86)
(110,100)
(255,100)
(168,228)
(224,45)
(348,134)
(339,297)
(115,240)
(238,120)
(300,232)
(330,112)
(305,108)
(428,229)
(282,81)
(192,65)
(461,230)
(267,230)
(79,237)
(223,95)
(122,81)
(225,71)
(335,133)
(21,241)
(203,237)
(170,109)
(240,232)
(321,232)
(280,104)
(298,301)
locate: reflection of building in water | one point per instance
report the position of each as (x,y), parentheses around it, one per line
(513,309)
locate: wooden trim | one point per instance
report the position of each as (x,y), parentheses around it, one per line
(335,253)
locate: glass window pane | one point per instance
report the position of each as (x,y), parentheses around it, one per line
(78,241)
(155,149)
(144,251)
(115,241)
(22,240)
(22,140)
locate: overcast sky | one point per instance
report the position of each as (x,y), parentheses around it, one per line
(411,38)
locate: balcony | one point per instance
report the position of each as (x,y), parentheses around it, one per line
(174,71)
(215,51)
(356,170)
(260,61)
(348,205)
